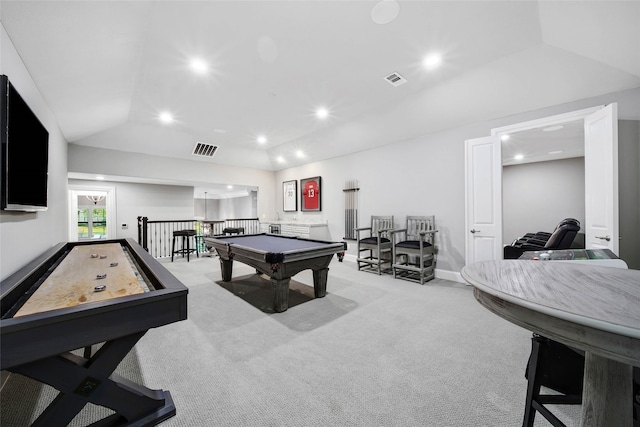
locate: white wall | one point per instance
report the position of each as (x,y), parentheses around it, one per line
(24,236)
(537,196)
(228,208)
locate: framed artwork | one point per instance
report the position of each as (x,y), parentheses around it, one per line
(290,196)
(310,193)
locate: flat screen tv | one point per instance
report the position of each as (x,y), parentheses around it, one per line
(24,155)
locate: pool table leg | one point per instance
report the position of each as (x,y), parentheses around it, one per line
(226,267)
(280,294)
(320,282)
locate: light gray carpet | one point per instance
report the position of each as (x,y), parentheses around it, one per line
(374,352)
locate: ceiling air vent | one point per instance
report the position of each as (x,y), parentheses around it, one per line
(204,150)
(395,79)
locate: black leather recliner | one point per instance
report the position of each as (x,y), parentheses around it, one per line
(561,238)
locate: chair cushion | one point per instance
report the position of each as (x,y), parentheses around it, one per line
(412,244)
(374,240)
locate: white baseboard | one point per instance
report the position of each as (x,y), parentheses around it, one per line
(454,276)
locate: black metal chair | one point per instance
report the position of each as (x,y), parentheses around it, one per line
(377,245)
(414,249)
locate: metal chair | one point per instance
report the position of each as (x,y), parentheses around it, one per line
(376,245)
(414,250)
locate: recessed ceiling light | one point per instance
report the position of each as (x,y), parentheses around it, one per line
(198,66)
(299,154)
(518,157)
(280,159)
(166,117)
(100,178)
(432,61)
(556,152)
(504,137)
(229,187)
(217,130)
(552,128)
(322,113)
(262,139)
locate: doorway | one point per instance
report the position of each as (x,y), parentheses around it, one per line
(484,182)
(92,213)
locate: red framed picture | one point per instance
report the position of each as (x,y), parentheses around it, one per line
(310,194)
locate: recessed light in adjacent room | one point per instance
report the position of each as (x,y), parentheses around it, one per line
(518,157)
(166,117)
(100,178)
(552,128)
(432,61)
(322,113)
(556,152)
(504,137)
(229,187)
(217,130)
(198,66)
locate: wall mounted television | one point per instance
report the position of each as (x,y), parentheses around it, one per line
(24,156)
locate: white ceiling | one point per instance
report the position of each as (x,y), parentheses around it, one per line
(108,68)
(544,144)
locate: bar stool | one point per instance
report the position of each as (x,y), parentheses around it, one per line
(233,230)
(186,236)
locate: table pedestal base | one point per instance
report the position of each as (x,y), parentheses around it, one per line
(607,391)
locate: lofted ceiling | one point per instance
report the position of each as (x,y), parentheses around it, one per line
(108,69)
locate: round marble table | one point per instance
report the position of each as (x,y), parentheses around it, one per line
(593,308)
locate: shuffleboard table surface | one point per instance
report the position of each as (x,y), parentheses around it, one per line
(73,282)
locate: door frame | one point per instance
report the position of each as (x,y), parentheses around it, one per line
(110,202)
(546,121)
(539,123)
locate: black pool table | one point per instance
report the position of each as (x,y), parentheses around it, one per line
(279,257)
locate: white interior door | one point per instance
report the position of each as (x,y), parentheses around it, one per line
(483,205)
(601,179)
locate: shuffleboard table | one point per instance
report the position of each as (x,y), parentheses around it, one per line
(279,257)
(83,296)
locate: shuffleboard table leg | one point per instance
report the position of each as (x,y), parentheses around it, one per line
(82,380)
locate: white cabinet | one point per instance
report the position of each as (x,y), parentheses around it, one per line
(317,231)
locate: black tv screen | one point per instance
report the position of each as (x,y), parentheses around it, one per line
(25,154)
